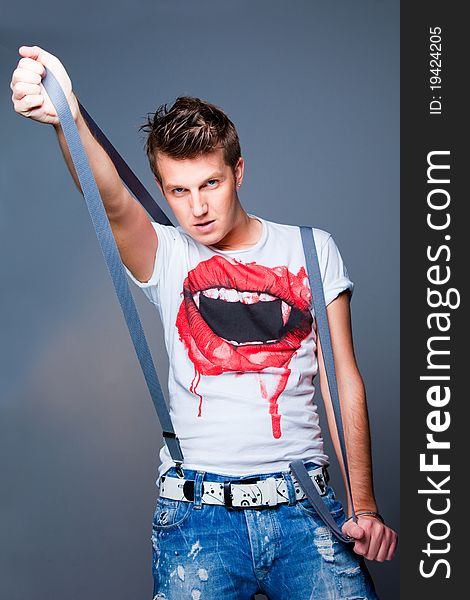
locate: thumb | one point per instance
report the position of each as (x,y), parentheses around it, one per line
(355,531)
(41,55)
(30,51)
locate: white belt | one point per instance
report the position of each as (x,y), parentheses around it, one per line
(241,493)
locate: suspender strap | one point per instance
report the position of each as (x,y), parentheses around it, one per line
(323,331)
(113,260)
(116,269)
(127,175)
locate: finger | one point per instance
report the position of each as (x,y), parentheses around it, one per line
(392,548)
(26,76)
(382,552)
(361,546)
(32,65)
(22,89)
(30,51)
(37,114)
(387,547)
(25,106)
(38,54)
(376,539)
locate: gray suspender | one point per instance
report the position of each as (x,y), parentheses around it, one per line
(323,330)
(126,300)
(113,260)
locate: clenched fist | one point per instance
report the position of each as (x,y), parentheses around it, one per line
(29,97)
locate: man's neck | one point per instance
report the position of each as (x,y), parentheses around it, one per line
(245,233)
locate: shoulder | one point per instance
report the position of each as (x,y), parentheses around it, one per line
(321,236)
(170,237)
(166,231)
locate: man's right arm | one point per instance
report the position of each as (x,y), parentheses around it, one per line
(135,236)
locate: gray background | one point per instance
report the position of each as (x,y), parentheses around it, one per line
(313,89)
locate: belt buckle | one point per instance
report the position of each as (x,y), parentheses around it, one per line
(321,480)
(321,483)
(228,492)
(267,499)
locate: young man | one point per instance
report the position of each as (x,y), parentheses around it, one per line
(233,294)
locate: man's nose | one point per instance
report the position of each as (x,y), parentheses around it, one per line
(198,204)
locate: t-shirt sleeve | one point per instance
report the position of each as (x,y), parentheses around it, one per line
(334,273)
(169,247)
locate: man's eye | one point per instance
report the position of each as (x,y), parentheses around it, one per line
(211,183)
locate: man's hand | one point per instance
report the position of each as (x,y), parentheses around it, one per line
(29,97)
(374,540)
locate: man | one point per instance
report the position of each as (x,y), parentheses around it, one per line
(233,294)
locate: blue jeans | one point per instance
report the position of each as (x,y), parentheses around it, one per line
(208,552)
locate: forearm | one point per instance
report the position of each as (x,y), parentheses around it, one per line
(111,188)
(355,419)
(358,443)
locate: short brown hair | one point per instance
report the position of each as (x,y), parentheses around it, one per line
(189,128)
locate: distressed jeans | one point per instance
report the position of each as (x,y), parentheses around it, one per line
(209,552)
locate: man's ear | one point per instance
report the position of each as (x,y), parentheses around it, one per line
(239,169)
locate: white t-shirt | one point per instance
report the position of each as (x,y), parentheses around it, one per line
(242,347)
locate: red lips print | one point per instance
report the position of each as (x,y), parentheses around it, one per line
(244,317)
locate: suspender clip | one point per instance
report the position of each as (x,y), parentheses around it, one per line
(179,469)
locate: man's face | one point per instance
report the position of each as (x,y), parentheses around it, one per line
(202,194)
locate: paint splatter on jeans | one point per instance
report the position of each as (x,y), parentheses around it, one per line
(208,552)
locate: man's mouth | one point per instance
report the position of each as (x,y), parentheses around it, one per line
(204,224)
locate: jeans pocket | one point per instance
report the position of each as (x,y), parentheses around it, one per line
(170,513)
(334,506)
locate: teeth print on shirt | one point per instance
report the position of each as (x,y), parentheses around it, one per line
(241,346)
(244,317)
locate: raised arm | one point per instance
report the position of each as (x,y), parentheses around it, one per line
(135,236)
(375,540)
